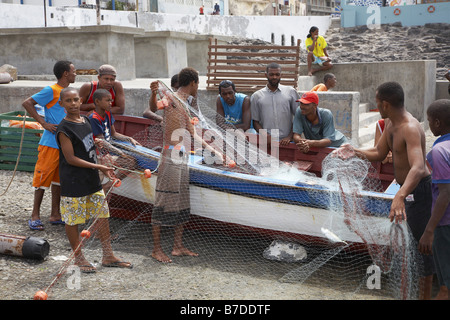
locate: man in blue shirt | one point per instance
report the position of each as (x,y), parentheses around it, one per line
(233,107)
(316,124)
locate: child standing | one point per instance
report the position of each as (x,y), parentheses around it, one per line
(436,237)
(82,196)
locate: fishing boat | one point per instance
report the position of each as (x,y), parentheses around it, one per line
(297,207)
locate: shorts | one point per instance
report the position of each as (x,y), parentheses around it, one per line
(318,61)
(46,170)
(418,212)
(77,210)
(441,254)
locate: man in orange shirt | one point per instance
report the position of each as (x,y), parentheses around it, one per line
(329,81)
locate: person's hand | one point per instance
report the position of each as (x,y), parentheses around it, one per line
(303,146)
(50,127)
(154,87)
(107,171)
(133,141)
(426,242)
(285,141)
(398,212)
(345,152)
(388,158)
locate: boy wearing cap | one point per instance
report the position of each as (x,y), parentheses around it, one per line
(316,124)
(106,80)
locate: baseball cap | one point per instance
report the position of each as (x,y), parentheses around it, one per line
(106,69)
(309,97)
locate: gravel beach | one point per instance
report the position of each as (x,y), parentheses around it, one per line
(247,277)
(187,278)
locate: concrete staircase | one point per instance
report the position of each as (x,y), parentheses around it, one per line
(367,125)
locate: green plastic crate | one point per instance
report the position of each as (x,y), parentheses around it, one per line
(10,139)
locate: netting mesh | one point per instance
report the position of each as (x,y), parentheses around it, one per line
(262,216)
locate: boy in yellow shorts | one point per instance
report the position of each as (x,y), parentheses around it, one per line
(82,196)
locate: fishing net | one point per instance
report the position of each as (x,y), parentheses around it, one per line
(245,212)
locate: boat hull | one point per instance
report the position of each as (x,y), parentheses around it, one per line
(298,209)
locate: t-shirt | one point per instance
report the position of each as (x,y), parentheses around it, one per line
(320,45)
(275,110)
(233,113)
(323,130)
(53,111)
(439,160)
(78,181)
(319,87)
(100,125)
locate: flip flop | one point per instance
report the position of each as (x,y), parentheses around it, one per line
(118,264)
(56,222)
(35,225)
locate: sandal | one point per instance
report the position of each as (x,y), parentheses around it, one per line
(35,225)
(118,264)
(89,268)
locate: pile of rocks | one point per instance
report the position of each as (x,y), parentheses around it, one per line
(392,43)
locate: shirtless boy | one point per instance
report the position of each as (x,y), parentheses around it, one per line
(405,137)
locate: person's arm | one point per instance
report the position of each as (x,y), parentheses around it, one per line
(84,95)
(376,153)
(28,105)
(122,137)
(220,113)
(69,155)
(246,115)
(151,115)
(440,206)
(119,99)
(416,172)
(313,44)
(152,102)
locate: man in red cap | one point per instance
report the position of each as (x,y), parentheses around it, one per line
(316,124)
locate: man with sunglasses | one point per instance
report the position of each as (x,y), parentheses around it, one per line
(233,108)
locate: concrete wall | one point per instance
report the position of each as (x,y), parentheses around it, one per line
(344,105)
(35,50)
(418,79)
(442,89)
(252,27)
(409,15)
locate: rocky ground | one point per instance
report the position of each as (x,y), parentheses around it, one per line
(386,43)
(392,43)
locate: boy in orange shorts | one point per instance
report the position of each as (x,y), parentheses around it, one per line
(46,172)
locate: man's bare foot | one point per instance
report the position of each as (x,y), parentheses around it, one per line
(161,256)
(310,73)
(183,252)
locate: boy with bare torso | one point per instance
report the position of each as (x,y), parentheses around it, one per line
(405,137)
